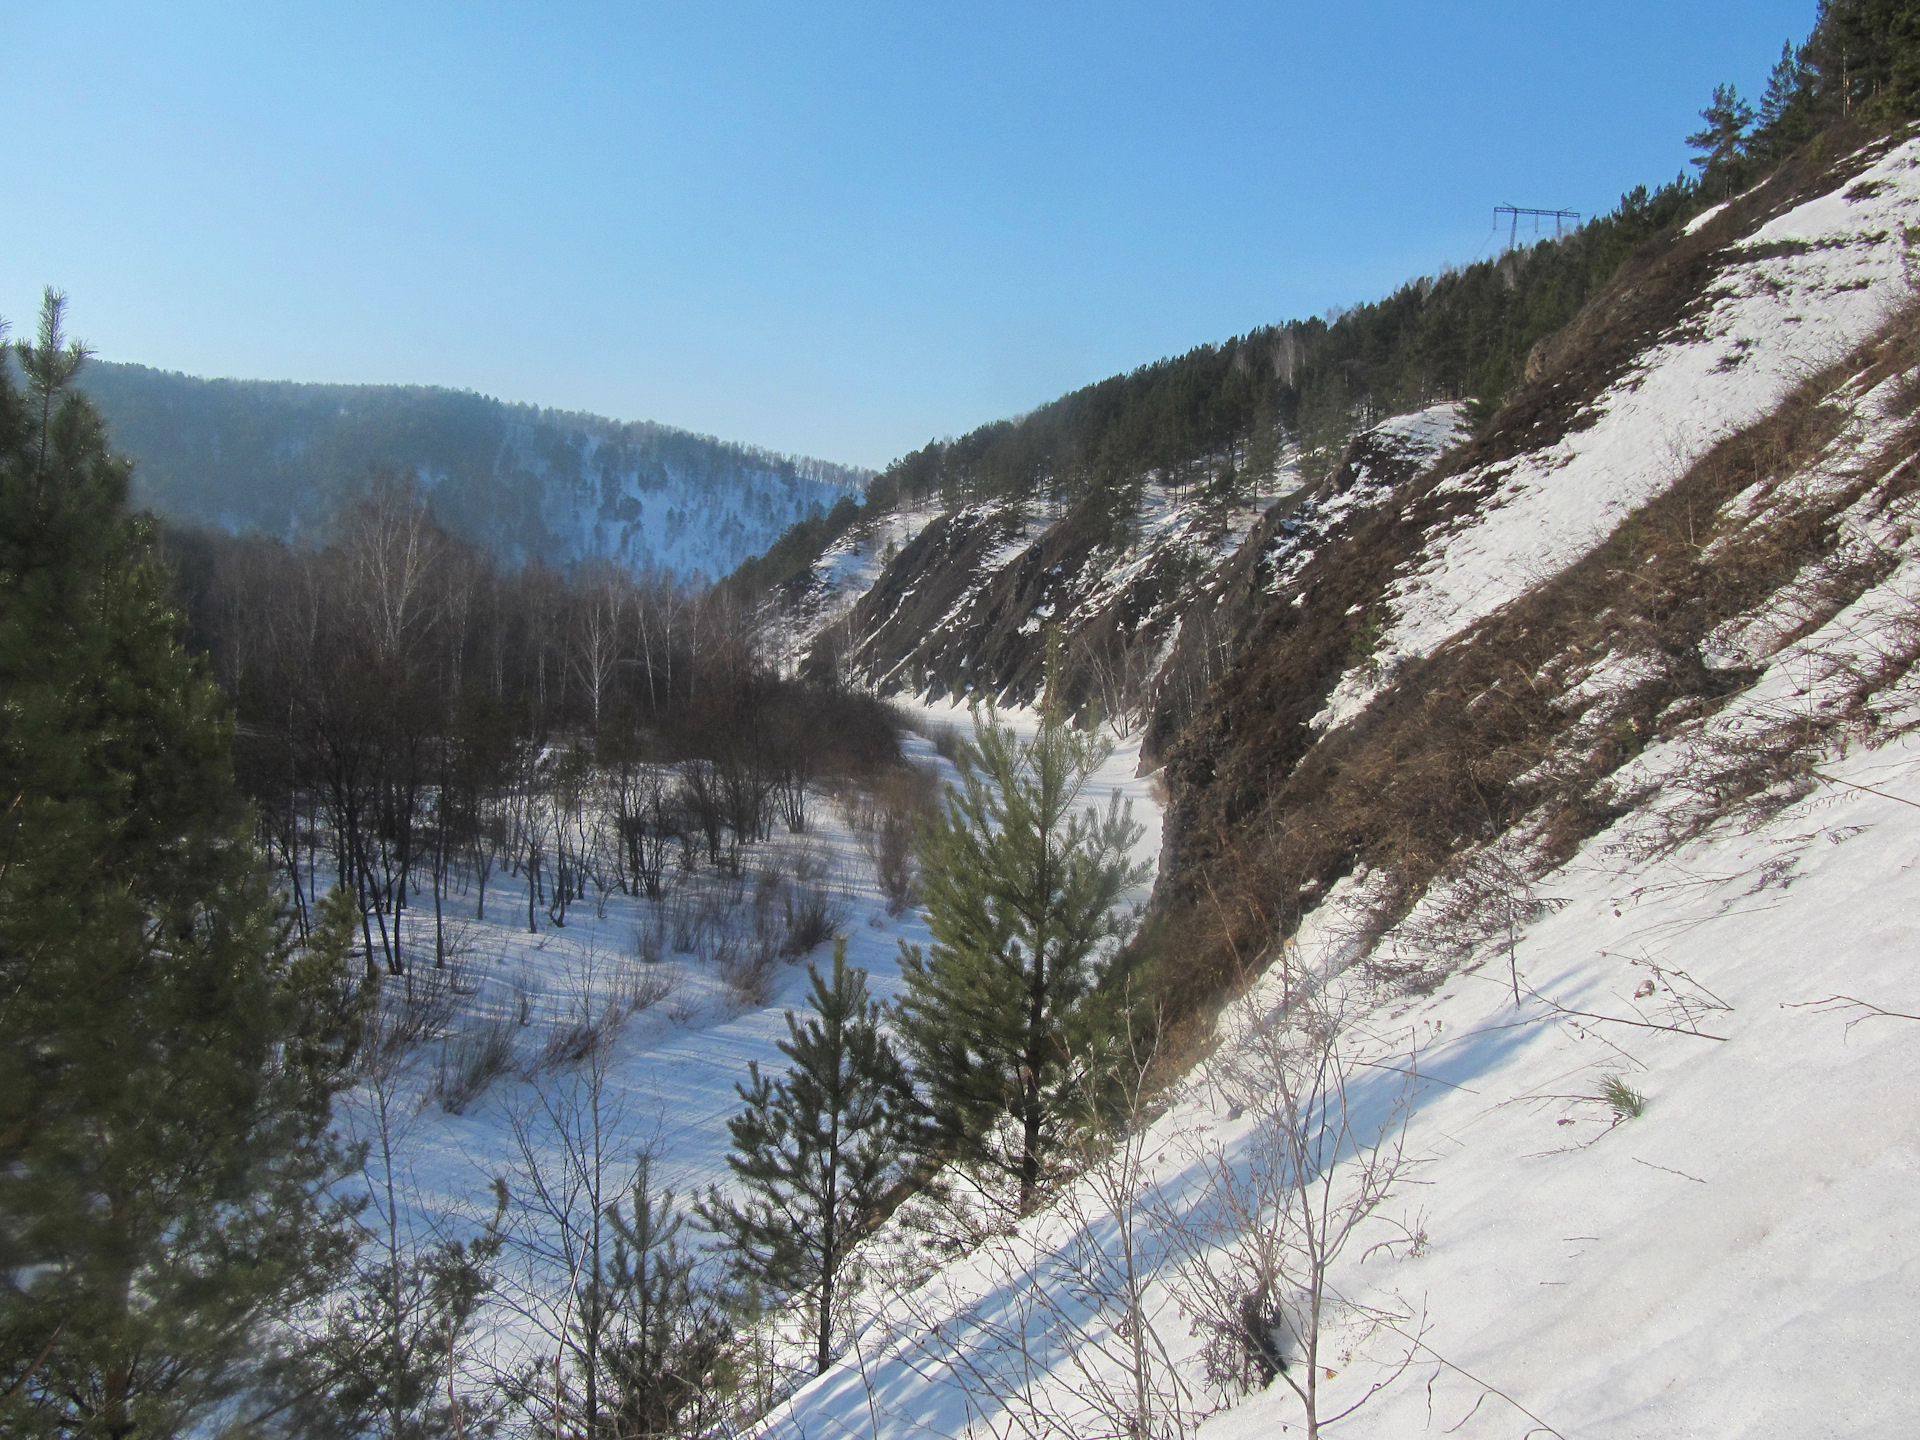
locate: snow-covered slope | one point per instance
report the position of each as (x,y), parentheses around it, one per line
(1556,784)
(1737,1260)
(1609,1043)
(953,603)
(1797,294)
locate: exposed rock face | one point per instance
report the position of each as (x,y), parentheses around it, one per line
(1363,672)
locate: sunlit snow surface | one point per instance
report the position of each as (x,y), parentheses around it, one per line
(1774,321)
(1740,1259)
(673,1065)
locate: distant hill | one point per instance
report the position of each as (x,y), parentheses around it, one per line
(523,482)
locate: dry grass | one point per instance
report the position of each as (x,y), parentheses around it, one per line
(470,1062)
(1486,733)
(746,974)
(886,816)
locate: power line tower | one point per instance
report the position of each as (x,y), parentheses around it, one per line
(1560,219)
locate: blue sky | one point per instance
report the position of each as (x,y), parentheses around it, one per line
(837,229)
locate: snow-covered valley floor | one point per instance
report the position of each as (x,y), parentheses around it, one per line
(678,1015)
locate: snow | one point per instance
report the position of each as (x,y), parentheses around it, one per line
(1731,1262)
(692,527)
(1740,1257)
(677,1059)
(1775,319)
(843,573)
(1738,1260)
(1704,218)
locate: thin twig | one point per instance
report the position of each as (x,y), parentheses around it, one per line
(1559,1009)
(1846,1002)
(1681,1173)
(1458,1370)
(1883,794)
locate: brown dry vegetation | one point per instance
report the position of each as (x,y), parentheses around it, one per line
(1478,737)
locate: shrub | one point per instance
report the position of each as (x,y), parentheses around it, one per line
(813,917)
(747,976)
(472,1061)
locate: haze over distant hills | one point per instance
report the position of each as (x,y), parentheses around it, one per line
(522,482)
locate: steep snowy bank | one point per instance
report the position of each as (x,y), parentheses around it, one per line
(1739,1259)
(1625,1119)
(1799,293)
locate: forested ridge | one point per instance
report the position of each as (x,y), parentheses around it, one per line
(1465,334)
(1194,418)
(281,458)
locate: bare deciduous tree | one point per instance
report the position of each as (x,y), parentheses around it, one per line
(1283,1201)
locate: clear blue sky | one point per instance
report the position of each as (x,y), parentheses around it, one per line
(838,229)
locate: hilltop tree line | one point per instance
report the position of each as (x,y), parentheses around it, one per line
(1860,63)
(1221,413)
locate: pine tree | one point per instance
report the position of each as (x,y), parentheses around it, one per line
(670,1340)
(1002,1018)
(815,1152)
(1785,82)
(1863,59)
(1722,142)
(1325,422)
(1263,446)
(165,1074)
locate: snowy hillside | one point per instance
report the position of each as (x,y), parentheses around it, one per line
(1737,1259)
(1579,762)
(522,483)
(954,603)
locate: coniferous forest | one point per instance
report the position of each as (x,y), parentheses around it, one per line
(252,783)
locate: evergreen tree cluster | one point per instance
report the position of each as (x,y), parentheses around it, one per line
(1013,1023)
(1860,63)
(168,1059)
